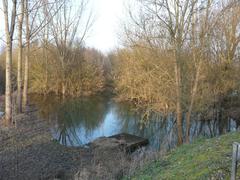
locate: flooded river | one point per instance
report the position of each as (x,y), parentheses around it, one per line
(78,121)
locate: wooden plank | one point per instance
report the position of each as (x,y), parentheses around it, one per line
(133,142)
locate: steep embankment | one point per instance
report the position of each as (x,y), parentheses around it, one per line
(203,159)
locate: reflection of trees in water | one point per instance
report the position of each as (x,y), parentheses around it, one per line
(46,104)
(162,131)
(71,114)
(211,128)
(85,115)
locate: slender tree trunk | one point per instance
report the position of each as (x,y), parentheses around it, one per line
(45,55)
(199,65)
(19,79)
(63,76)
(8,91)
(178,98)
(26,71)
(19,67)
(193,95)
(63,89)
(9,31)
(26,66)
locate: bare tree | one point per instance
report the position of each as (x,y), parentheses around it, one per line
(168,22)
(9,32)
(26,66)
(64,27)
(20,50)
(227,36)
(36,21)
(200,32)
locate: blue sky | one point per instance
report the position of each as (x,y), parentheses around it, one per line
(104,33)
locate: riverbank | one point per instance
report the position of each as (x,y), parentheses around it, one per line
(203,159)
(28,151)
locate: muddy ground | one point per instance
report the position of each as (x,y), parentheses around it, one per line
(27,151)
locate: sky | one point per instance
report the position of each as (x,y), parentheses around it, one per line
(104,33)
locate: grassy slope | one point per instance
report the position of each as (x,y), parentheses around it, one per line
(203,159)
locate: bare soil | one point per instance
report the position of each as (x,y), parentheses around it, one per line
(27,151)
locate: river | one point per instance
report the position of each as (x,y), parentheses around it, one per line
(78,121)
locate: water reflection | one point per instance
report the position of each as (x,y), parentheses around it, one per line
(75,122)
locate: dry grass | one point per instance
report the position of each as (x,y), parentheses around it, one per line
(27,151)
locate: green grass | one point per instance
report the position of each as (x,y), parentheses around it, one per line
(203,159)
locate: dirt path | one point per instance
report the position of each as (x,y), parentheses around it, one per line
(27,151)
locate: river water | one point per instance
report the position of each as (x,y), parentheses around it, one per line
(78,121)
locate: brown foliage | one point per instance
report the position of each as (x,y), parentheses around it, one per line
(82,69)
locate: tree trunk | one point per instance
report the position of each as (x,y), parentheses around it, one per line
(63,89)
(199,65)
(178,98)
(26,71)
(19,79)
(194,92)
(9,31)
(19,67)
(26,67)
(45,55)
(8,94)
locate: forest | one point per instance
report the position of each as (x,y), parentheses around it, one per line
(178,58)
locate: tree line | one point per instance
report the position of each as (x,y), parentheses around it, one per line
(49,55)
(181,57)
